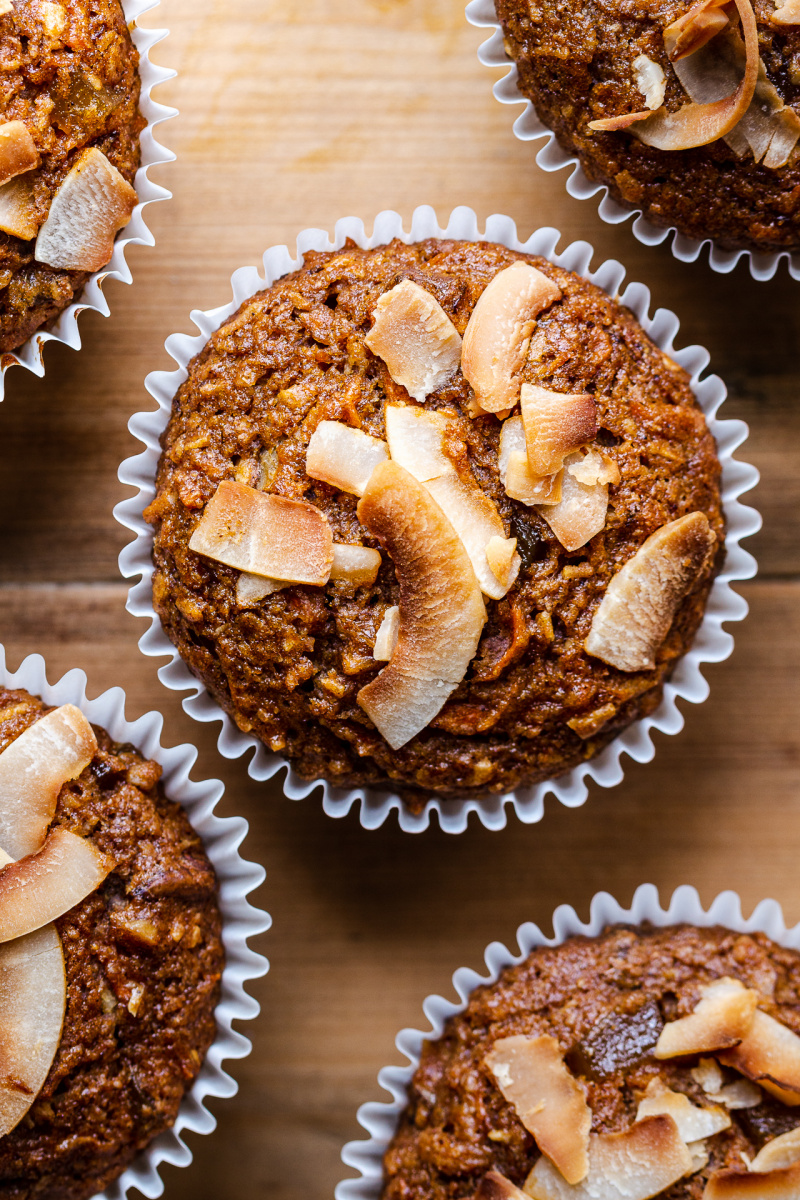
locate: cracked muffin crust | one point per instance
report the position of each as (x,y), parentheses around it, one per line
(288,667)
(143,957)
(576,63)
(70,75)
(605,1001)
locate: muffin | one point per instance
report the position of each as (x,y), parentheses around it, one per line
(402,490)
(688,113)
(69,151)
(643,1062)
(111,952)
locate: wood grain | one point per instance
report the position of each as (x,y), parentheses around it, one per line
(293,115)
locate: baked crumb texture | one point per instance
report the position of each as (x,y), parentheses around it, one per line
(289,667)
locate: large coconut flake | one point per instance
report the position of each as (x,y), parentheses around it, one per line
(343,457)
(42,887)
(18,151)
(92,204)
(415,338)
(721,1019)
(769,1054)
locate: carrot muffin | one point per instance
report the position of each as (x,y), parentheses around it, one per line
(440,514)
(69,151)
(688,112)
(644,1062)
(110,953)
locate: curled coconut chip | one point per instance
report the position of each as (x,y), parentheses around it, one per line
(415,338)
(415,443)
(343,457)
(720,1019)
(635,614)
(555,425)
(650,80)
(515,472)
(740,1185)
(769,1054)
(498,335)
(741,1093)
(442,612)
(43,886)
(769,129)
(495,1186)
(18,212)
(697,124)
(33,769)
(386,637)
(694,1122)
(265,535)
(635,1164)
(782,1152)
(33,1000)
(581,510)
(693,29)
(547,1098)
(18,151)
(92,204)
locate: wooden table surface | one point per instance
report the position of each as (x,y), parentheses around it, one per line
(293,114)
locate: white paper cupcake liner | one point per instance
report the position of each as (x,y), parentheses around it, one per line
(552,157)
(380,1119)
(712,643)
(136,233)
(222,838)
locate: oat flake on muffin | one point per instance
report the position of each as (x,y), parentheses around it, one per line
(110,953)
(687,112)
(69,151)
(441,514)
(640,1063)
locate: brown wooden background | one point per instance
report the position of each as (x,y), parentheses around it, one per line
(293,113)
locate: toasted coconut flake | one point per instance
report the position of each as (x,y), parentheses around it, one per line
(18,151)
(698,124)
(518,480)
(265,535)
(495,1186)
(769,129)
(782,1152)
(769,1054)
(555,425)
(92,204)
(635,615)
(415,437)
(386,637)
(6,7)
(708,1075)
(33,999)
(595,467)
(700,1155)
(441,608)
(739,1185)
(501,558)
(498,335)
(33,769)
(343,457)
(691,31)
(356,564)
(635,1164)
(252,588)
(720,1019)
(415,338)
(694,1123)
(18,214)
(581,511)
(45,885)
(742,1093)
(650,80)
(549,1101)
(787,13)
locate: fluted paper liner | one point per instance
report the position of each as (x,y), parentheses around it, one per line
(222,837)
(136,233)
(711,644)
(380,1119)
(553,157)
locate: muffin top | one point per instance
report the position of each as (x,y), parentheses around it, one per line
(69,151)
(301,386)
(141,949)
(639,1063)
(584,63)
